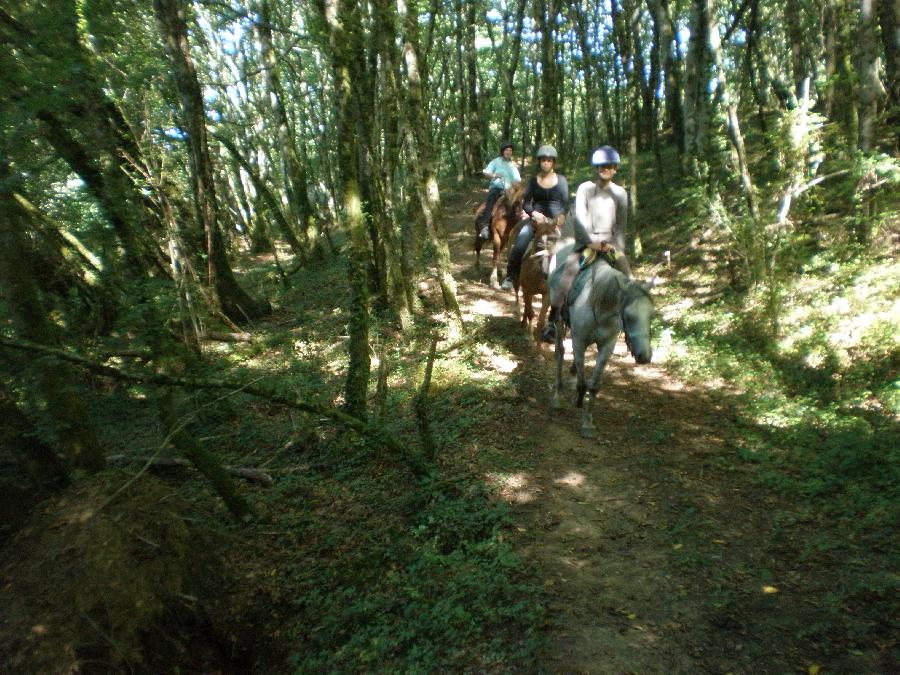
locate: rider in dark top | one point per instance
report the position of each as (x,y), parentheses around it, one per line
(546,199)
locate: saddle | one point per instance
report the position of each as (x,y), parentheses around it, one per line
(587,257)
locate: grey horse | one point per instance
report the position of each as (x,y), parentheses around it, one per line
(602,303)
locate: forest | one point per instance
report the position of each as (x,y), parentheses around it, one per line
(263,413)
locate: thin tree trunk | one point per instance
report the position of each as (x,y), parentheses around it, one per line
(474,144)
(294,164)
(580,21)
(725,95)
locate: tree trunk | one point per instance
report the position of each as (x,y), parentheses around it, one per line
(868,65)
(545,15)
(292,161)
(474,141)
(509,73)
(696,90)
(425,175)
(233,300)
(580,21)
(727,99)
(76,429)
(889,19)
(342,22)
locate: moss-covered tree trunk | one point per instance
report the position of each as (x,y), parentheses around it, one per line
(425,176)
(76,431)
(344,30)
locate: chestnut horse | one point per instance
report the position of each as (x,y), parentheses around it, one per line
(532,280)
(504,218)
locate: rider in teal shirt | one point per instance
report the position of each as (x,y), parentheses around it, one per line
(503,174)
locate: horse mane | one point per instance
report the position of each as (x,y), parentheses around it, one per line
(514,194)
(616,291)
(606,296)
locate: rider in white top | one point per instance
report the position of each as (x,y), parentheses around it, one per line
(601,219)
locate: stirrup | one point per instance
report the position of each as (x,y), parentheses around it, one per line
(508,284)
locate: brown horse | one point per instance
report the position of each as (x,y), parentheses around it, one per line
(504,218)
(532,280)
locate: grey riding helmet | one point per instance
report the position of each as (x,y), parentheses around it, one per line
(546,151)
(506,144)
(605,155)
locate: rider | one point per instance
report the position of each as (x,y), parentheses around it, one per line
(503,175)
(546,199)
(601,219)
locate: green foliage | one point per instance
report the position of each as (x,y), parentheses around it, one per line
(458,601)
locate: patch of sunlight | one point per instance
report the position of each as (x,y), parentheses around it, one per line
(576,563)
(571,479)
(514,488)
(486,307)
(503,364)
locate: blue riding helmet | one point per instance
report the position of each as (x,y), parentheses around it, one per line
(605,154)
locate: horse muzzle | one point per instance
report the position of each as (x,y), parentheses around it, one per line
(641,350)
(643,356)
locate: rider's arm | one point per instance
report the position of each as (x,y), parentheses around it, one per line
(490,171)
(562,187)
(528,197)
(620,228)
(582,216)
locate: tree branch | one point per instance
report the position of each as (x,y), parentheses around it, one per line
(375,433)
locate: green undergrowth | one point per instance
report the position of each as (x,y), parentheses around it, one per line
(353,562)
(809,357)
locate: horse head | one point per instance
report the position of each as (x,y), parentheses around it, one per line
(513,198)
(637,313)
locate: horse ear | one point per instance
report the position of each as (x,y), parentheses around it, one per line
(651,283)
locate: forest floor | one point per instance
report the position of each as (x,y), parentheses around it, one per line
(658,547)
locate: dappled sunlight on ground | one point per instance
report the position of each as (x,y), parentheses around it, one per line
(515,488)
(571,479)
(483,307)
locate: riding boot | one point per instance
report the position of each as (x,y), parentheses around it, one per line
(549,333)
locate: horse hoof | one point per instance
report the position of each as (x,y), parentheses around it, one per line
(587,432)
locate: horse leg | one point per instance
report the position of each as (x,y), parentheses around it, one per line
(527,311)
(560,355)
(578,349)
(542,317)
(498,246)
(604,351)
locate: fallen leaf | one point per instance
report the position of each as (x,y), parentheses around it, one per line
(814,669)
(769,590)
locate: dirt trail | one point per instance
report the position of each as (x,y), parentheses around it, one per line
(651,539)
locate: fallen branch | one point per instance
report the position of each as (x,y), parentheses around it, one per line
(376,434)
(250,475)
(218,336)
